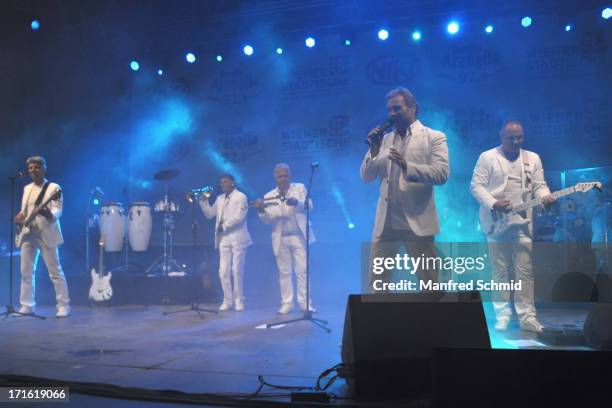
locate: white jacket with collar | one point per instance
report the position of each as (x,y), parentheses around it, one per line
(491,176)
(275,214)
(427,165)
(50,230)
(234,214)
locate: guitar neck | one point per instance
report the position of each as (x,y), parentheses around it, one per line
(537,201)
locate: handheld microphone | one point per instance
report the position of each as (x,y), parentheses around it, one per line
(377,137)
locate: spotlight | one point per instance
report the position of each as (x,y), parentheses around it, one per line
(416,36)
(35,24)
(190,57)
(568,28)
(160,72)
(383,34)
(134,65)
(351,225)
(606,13)
(310,42)
(248,50)
(453,27)
(489,29)
(279,51)
(347,42)
(219,58)
(96,201)
(526,21)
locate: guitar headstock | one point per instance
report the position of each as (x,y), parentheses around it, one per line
(584,187)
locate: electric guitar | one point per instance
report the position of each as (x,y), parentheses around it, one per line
(100,289)
(23,229)
(494,222)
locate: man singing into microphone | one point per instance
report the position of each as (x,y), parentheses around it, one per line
(408,161)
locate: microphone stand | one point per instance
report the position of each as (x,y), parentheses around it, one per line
(194,305)
(10,310)
(307,313)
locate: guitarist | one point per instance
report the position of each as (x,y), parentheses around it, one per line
(43,238)
(501,173)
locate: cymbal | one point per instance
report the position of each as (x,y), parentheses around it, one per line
(166,174)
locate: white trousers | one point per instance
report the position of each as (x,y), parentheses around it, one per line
(292,257)
(231,265)
(513,250)
(31,247)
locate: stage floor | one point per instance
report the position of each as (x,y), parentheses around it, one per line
(137,346)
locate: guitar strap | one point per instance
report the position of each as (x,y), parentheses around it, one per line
(41,195)
(527,170)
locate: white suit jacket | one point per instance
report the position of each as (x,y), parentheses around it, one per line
(427,158)
(234,218)
(50,231)
(491,176)
(274,214)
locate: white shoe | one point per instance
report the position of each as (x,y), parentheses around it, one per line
(532,325)
(63,311)
(285,308)
(310,309)
(502,324)
(239,306)
(225,306)
(26,310)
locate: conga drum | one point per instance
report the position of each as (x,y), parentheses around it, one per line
(112,226)
(139,226)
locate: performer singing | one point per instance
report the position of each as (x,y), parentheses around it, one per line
(500,174)
(409,161)
(44,237)
(285,208)
(231,237)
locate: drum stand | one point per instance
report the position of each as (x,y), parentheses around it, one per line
(194,305)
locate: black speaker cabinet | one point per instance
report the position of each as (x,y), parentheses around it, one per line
(598,326)
(388,339)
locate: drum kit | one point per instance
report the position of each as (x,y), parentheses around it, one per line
(120,227)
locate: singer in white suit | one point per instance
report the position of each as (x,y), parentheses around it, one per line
(408,162)
(231,238)
(285,209)
(44,238)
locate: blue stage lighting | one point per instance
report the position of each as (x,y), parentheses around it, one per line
(383,34)
(453,27)
(347,42)
(416,36)
(489,29)
(35,24)
(248,50)
(351,225)
(279,51)
(190,57)
(96,201)
(160,72)
(568,27)
(310,42)
(219,58)
(606,13)
(526,21)
(134,65)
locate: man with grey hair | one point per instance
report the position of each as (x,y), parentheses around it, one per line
(285,209)
(44,237)
(408,161)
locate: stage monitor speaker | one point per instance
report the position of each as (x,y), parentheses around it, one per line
(388,339)
(598,326)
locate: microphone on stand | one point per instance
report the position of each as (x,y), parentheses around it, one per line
(314,165)
(20,174)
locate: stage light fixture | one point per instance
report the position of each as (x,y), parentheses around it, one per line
(489,29)
(526,21)
(190,57)
(568,28)
(219,58)
(351,225)
(347,42)
(35,24)
(606,13)
(279,51)
(453,27)
(310,42)
(383,34)
(416,36)
(248,50)
(160,72)
(134,65)
(96,201)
